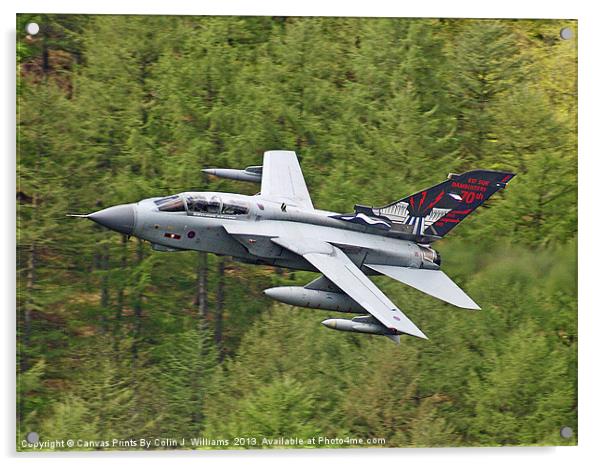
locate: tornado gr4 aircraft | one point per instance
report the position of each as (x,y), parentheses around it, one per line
(280,227)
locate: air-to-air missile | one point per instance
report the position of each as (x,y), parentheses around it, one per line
(360,324)
(252,174)
(317,299)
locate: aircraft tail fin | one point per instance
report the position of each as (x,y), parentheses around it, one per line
(434,211)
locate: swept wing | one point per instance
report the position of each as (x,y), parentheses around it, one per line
(338,268)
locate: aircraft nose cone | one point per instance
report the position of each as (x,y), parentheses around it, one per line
(120,218)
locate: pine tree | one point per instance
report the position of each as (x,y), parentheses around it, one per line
(282,408)
(486,64)
(185,364)
(524,397)
(70,417)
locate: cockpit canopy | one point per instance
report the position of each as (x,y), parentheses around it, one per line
(171,204)
(198,204)
(202,204)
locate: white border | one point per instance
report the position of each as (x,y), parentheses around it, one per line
(590,322)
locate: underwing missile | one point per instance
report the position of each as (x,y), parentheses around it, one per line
(362,324)
(252,174)
(317,299)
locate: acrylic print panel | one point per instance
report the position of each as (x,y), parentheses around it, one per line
(142,318)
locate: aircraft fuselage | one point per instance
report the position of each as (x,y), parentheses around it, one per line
(216,232)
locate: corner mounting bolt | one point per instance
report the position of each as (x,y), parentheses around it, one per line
(32,28)
(566,33)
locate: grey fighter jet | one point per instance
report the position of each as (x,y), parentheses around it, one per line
(280,227)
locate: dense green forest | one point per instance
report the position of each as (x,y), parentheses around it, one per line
(116,341)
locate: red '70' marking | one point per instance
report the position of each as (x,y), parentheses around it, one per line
(469,197)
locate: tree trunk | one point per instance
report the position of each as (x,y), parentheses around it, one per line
(104,286)
(45,57)
(201,303)
(201,295)
(219,306)
(138,306)
(121,286)
(120,295)
(28,307)
(29,301)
